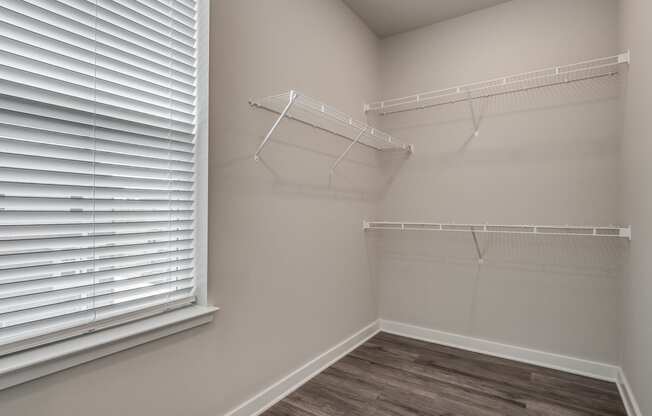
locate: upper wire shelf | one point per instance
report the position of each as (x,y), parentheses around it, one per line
(299,107)
(556,75)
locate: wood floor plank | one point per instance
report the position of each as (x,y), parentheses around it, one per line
(391,375)
(389,378)
(508,381)
(474,356)
(480,359)
(283,408)
(321,401)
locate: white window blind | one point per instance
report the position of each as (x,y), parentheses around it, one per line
(97,134)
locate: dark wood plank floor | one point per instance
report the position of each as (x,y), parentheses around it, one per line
(395,376)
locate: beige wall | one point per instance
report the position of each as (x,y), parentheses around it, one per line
(545,157)
(289,266)
(637,198)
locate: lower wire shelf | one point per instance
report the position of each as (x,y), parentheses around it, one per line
(568,230)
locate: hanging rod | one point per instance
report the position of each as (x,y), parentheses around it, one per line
(588,231)
(299,107)
(556,75)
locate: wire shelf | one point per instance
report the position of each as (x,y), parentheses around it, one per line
(595,68)
(314,113)
(564,230)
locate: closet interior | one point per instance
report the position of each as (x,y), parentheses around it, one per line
(325,207)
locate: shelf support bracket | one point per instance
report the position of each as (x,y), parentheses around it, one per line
(474,118)
(477,247)
(293,97)
(348,149)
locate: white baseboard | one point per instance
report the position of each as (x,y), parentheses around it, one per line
(545,359)
(631,405)
(277,391)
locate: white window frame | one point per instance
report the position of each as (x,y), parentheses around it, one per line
(34,363)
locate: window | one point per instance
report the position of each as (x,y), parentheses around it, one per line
(97,164)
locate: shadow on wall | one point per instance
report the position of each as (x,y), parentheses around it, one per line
(573,256)
(298,160)
(554,293)
(560,144)
(521,130)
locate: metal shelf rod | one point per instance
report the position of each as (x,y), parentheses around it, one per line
(293,97)
(560,230)
(581,70)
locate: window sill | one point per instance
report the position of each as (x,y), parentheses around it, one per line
(38,362)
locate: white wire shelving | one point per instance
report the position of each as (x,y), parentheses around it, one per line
(556,75)
(563,230)
(474,229)
(299,107)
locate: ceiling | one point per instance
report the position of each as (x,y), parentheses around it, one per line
(389,17)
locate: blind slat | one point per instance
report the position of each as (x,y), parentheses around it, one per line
(95,240)
(80,86)
(62,327)
(81,217)
(106,79)
(63,280)
(31,189)
(102,59)
(91,303)
(25,296)
(102,32)
(83,102)
(122,265)
(54,130)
